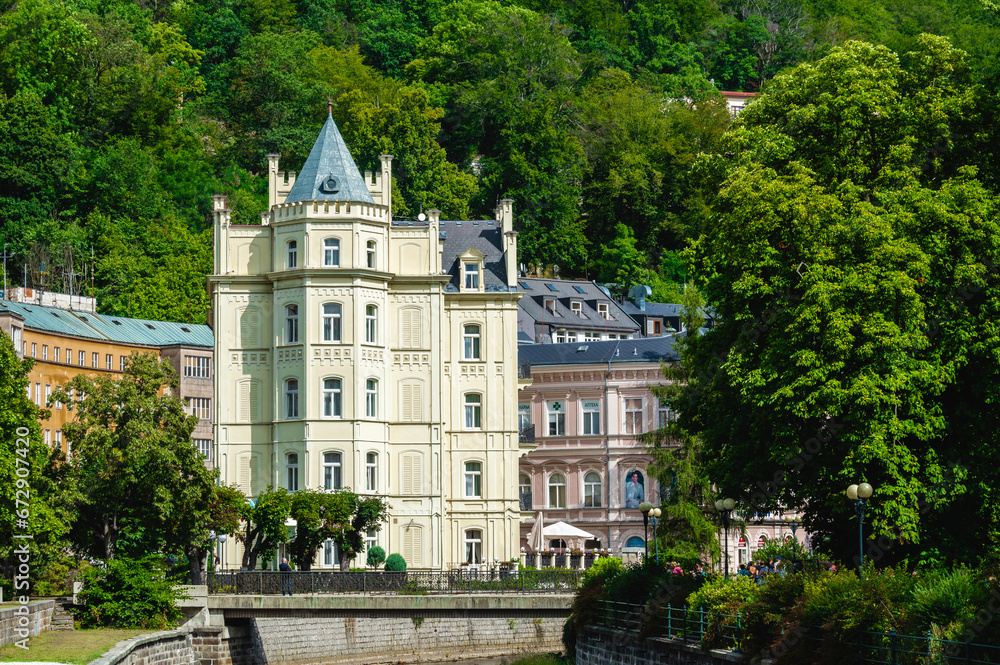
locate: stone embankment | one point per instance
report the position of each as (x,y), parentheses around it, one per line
(20,622)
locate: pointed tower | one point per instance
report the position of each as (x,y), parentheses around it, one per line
(329,173)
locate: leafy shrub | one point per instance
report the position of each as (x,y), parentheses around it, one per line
(724,597)
(129,593)
(58,577)
(603,570)
(376,556)
(947,600)
(395,563)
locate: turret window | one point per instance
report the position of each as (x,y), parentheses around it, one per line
(331,252)
(291,324)
(292,254)
(370,252)
(331,322)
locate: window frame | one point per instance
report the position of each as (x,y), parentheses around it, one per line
(634,417)
(592,492)
(336,398)
(291,254)
(472,342)
(332,323)
(473,410)
(333,471)
(371,248)
(371,471)
(291,400)
(559,419)
(473,477)
(473,540)
(371,324)
(470,275)
(371,398)
(587,425)
(292,323)
(559,494)
(331,249)
(292,471)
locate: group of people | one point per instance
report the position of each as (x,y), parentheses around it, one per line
(759,570)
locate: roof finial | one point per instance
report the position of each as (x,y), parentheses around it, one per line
(329,106)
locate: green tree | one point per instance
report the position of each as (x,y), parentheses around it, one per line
(29,496)
(850,264)
(132,450)
(319,516)
(200,509)
(264,526)
(367,514)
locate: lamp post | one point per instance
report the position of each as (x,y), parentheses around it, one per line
(859,493)
(794,521)
(644,508)
(725,508)
(655,516)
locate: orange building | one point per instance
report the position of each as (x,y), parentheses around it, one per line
(65,343)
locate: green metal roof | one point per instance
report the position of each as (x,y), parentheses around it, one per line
(107,328)
(329,173)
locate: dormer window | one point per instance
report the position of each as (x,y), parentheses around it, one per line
(471,270)
(602,309)
(471,275)
(577,307)
(550,305)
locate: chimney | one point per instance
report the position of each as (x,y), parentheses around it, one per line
(387,183)
(272,180)
(639,294)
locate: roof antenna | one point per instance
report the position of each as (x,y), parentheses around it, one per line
(329,105)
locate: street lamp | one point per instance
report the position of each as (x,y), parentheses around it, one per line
(655,516)
(644,508)
(725,508)
(794,521)
(859,493)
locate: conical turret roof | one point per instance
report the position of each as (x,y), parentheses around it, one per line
(329,173)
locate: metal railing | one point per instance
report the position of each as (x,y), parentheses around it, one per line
(494,580)
(717,630)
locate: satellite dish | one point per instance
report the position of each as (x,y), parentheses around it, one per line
(422,217)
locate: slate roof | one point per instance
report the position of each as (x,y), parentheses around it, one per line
(486,237)
(104,328)
(644,350)
(653,309)
(537,289)
(330,162)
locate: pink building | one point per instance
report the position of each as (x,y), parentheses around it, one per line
(585,407)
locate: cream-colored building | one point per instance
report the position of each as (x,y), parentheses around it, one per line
(354,350)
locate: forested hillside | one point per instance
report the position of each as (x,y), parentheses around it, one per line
(119,120)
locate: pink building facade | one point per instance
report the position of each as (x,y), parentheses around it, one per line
(585,408)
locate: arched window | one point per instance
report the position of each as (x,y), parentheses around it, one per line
(371,472)
(371,398)
(635,542)
(291,254)
(292,468)
(557,544)
(331,322)
(291,324)
(473,480)
(332,479)
(470,339)
(371,324)
(370,251)
(557,491)
(473,411)
(331,252)
(291,398)
(524,491)
(332,398)
(592,490)
(473,546)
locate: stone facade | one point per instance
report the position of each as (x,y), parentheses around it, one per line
(186,646)
(39,618)
(355,350)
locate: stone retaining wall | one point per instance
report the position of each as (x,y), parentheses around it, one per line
(37,619)
(333,640)
(372,640)
(186,646)
(601,646)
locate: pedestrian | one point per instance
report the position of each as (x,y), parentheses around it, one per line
(743,572)
(286,578)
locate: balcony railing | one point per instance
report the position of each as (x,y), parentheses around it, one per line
(526,434)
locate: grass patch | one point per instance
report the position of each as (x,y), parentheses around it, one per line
(77,647)
(542,659)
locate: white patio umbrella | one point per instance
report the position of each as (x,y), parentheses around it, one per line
(564,531)
(536,539)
